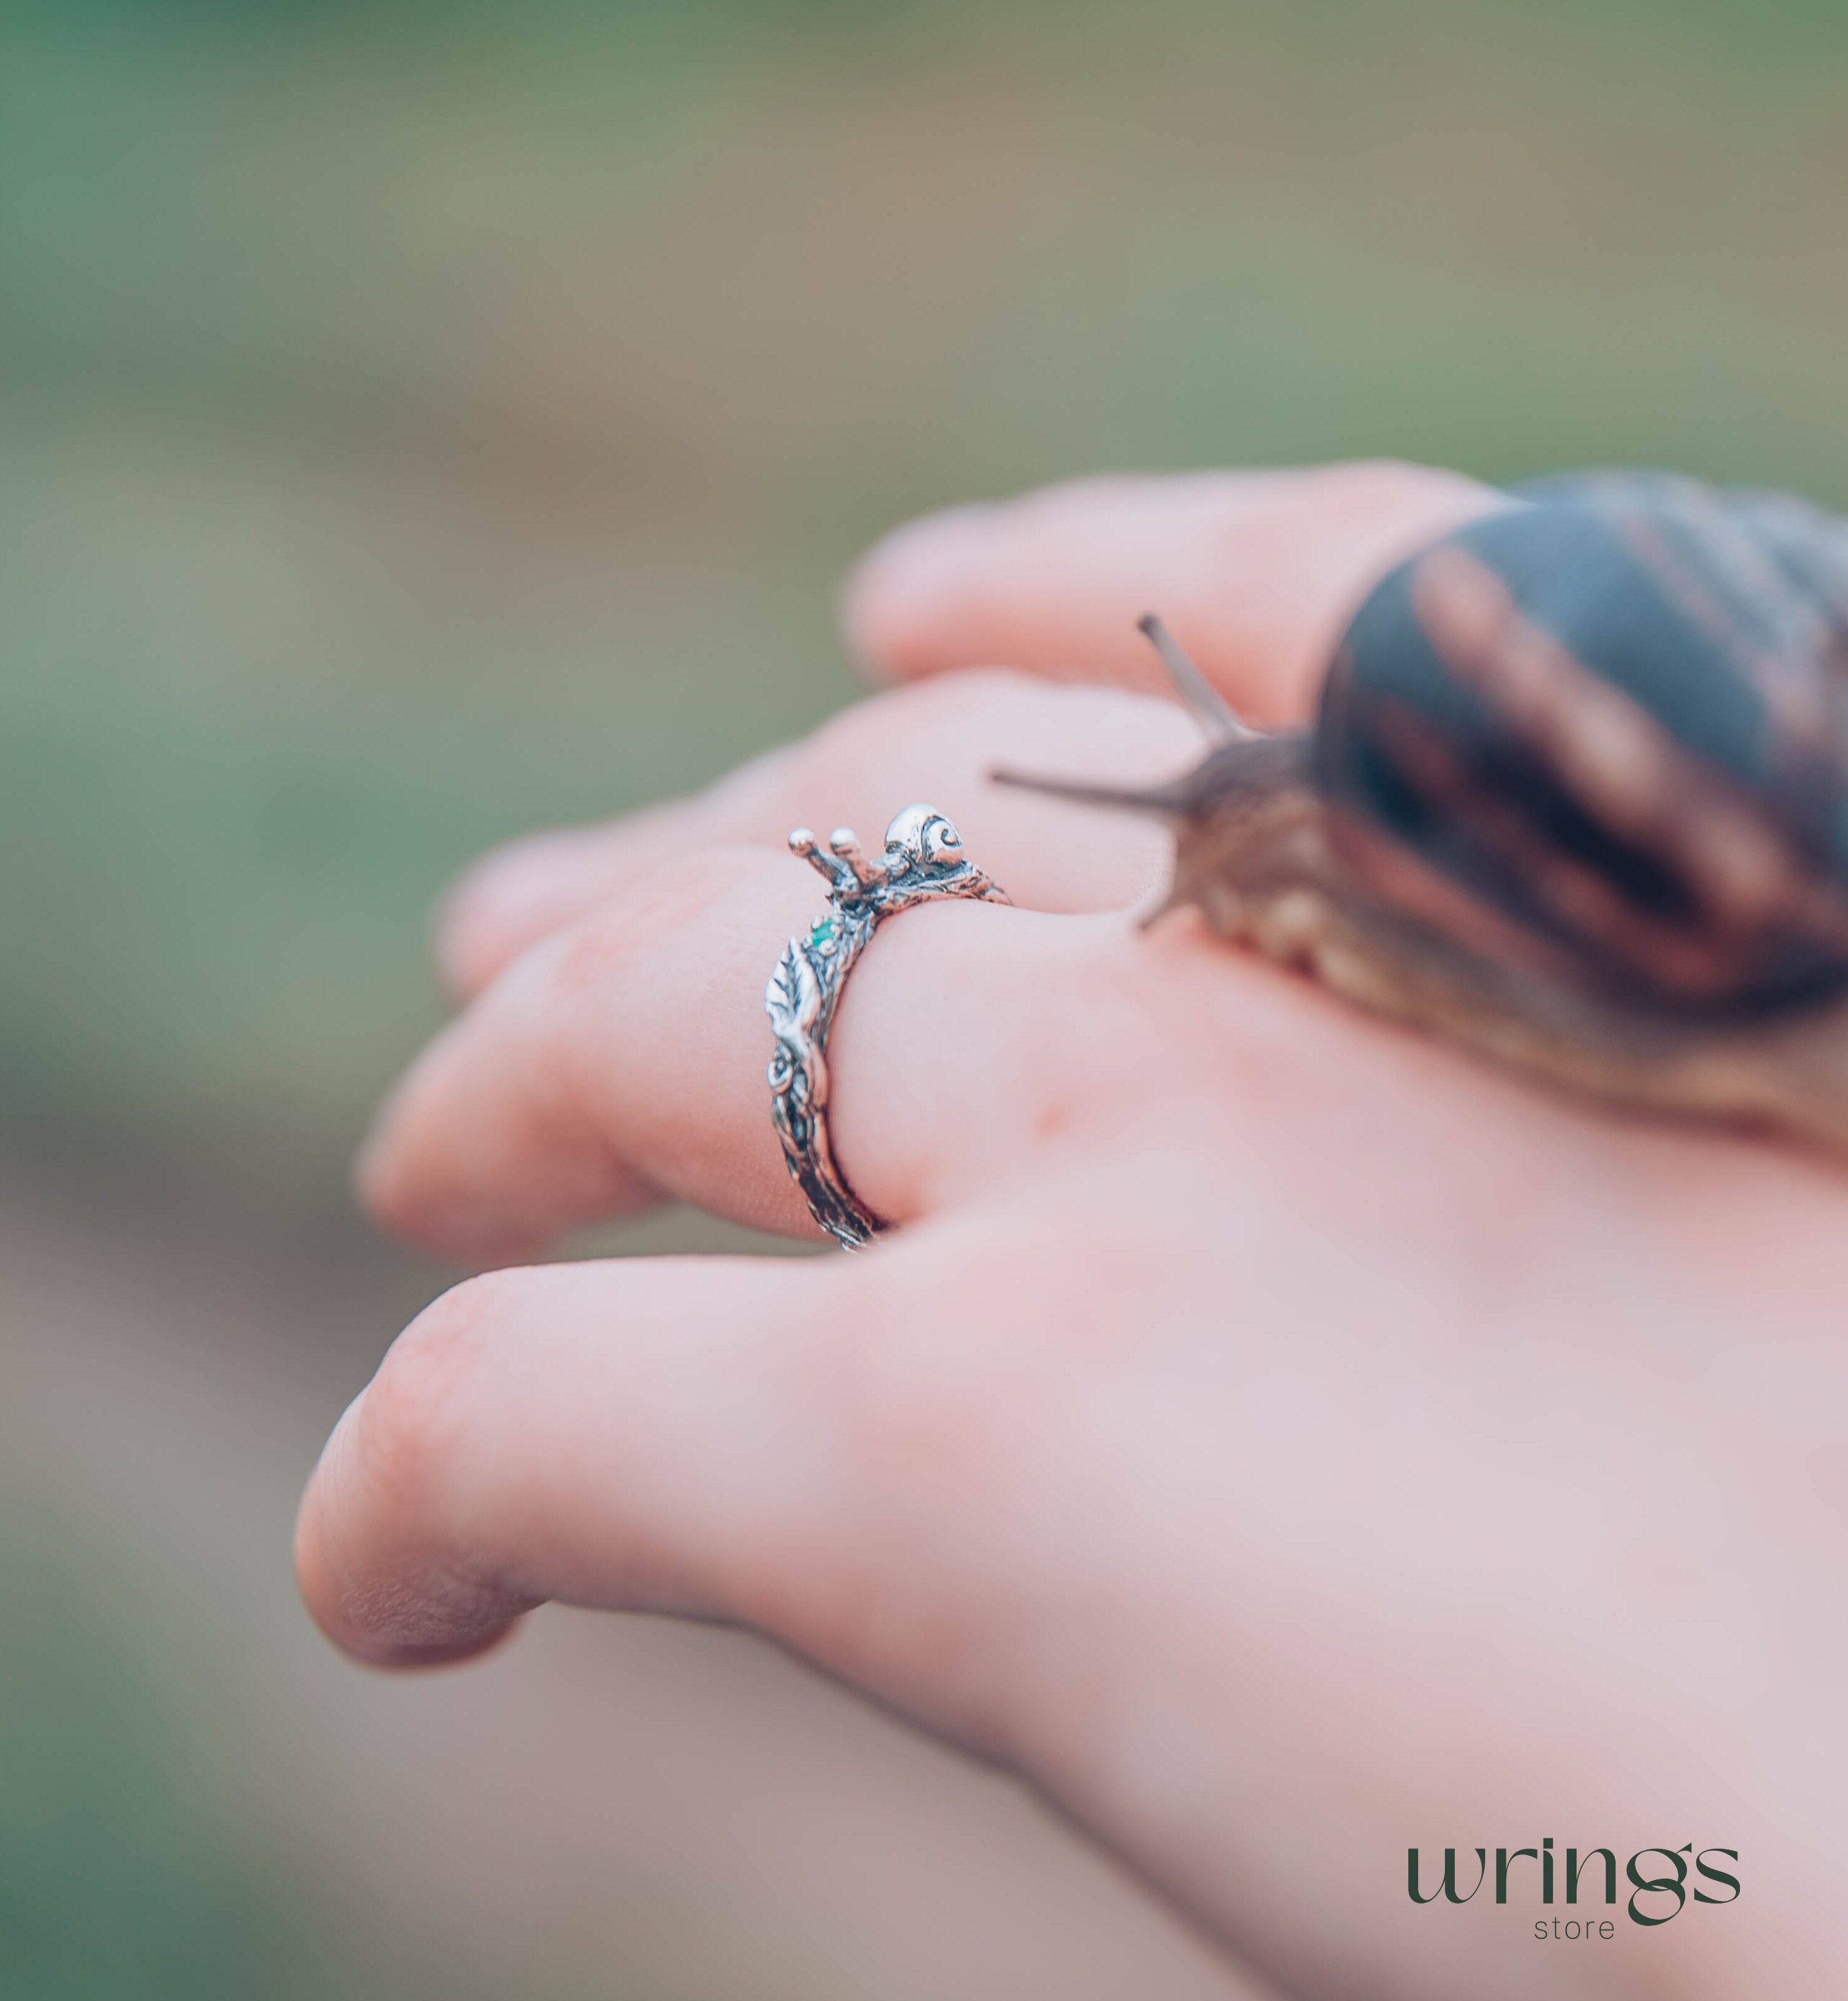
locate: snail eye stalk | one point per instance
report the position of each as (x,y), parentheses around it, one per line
(1220,723)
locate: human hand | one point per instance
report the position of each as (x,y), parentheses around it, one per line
(1280,1439)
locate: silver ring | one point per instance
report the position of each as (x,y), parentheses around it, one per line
(923,860)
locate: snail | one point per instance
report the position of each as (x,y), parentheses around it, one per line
(1575,797)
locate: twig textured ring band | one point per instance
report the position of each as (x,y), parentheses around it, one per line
(923,860)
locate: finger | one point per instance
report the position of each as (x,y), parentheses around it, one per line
(813,1448)
(1257,573)
(624,1060)
(937,742)
(611,1434)
(532,886)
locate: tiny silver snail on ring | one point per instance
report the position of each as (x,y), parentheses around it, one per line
(923,860)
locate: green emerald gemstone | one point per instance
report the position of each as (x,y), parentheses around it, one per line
(821,931)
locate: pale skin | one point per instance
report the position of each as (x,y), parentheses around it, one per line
(1280,1439)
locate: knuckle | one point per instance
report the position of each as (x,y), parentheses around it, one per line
(409,1419)
(676,897)
(1393,485)
(1050,507)
(928,1417)
(957,1400)
(1085,1033)
(945,702)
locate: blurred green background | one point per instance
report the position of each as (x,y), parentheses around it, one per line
(418,423)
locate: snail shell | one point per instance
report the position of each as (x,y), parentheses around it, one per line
(1577,793)
(1617,717)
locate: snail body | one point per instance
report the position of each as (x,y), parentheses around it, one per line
(1576,795)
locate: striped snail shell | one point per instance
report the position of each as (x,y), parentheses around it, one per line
(1576,794)
(1616,717)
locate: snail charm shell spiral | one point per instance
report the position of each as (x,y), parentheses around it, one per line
(1576,796)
